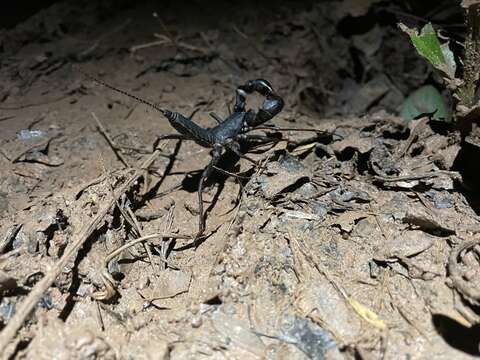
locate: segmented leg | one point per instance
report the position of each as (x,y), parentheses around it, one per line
(217,118)
(258,137)
(170,137)
(216,153)
(235,147)
(187,127)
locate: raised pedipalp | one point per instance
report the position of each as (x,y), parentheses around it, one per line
(272,105)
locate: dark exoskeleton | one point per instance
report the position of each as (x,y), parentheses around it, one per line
(228,132)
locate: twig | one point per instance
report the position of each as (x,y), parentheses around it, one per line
(139,229)
(166,40)
(135,48)
(93,182)
(35,121)
(9,237)
(121,207)
(3,118)
(77,241)
(182,44)
(4,155)
(166,244)
(108,280)
(137,150)
(98,316)
(112,144)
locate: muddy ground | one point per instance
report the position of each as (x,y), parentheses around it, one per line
(355,238)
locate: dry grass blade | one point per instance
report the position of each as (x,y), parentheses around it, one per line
(108,280)
(110,141)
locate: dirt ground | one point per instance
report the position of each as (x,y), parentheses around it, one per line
(355,238)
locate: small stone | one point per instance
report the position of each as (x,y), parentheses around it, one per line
(196,321)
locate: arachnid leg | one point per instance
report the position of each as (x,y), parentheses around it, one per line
(217,118)
(235,147)
(169,137)
(216,153)
(187,127)
(260,138)
(272,105)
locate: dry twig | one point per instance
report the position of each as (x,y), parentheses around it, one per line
(167,40)
(140,233)
(108,280)
(166,244)
(112,144)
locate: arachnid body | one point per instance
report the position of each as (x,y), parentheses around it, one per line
(226,134)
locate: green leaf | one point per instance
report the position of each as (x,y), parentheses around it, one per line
(425,100)
(428,46)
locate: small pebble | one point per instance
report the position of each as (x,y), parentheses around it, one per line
(196,321)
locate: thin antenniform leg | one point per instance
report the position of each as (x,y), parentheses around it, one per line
(262,138)
(217,118)
(233,146)
(123,92)
(216,153)
(225,172)
(169,137)
(278,128)
(228,108)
